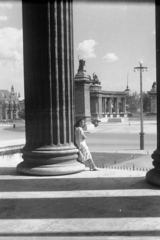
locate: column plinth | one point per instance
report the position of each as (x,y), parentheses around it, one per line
(153,175)
(49,89)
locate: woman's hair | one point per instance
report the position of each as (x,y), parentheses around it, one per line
(77,123)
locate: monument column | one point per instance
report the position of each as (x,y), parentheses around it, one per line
(103,99)
(49,89)
(11,114)
(104,107)
(117,106)
(110,107)
(124,106)
(6,115)
(82,96)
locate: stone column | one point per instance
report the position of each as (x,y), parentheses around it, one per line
(114,108)
(104,107)
(6,116)
(49,89)
(124,106)
(100,106)
(11,114)
(153,176)
(110,107)
(117,106)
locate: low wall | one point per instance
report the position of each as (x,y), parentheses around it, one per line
(10,156)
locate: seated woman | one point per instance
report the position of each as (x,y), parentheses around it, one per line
(82,146)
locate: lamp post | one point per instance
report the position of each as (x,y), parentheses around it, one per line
(141,68)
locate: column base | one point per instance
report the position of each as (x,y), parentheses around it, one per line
(153,177)
(50,170)
(50,161)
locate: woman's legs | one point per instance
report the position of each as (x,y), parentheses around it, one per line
(92,164)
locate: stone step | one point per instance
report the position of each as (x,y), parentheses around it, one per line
(116,119)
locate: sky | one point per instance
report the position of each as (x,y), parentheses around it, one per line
(111,37)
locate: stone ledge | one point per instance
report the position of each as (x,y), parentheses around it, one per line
(10,149)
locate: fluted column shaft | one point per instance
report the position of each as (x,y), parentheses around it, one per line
(110,105)
(106,109)
(117,106)
(104,105)
(6,116)
(153,176)
(49,89)
(124,105)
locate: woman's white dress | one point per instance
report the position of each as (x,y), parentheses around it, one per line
(81,143)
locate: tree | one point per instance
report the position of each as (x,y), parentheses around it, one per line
(146,102)
(133,101)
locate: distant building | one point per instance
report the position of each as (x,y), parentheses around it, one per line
(9,104)
(153,99)
(91,102)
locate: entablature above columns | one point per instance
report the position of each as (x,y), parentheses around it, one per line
(110,94)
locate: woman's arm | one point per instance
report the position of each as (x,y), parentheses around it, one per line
(78,137)
(83,135)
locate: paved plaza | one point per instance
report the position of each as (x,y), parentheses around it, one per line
(109,204)
(111,144)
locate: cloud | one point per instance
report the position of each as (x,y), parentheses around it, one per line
(110,57)
(6,5)
(3,18)
(11,45)
(86,48)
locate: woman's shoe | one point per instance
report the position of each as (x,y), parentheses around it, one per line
(95,169)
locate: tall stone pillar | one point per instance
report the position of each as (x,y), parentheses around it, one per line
(117,106)
(110,107)
(11,114)
(124,106)
(153,176)
(6,115)
(106,110)
(100,106)
(49,89)
(104,107)
(82,96)
(96,101)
